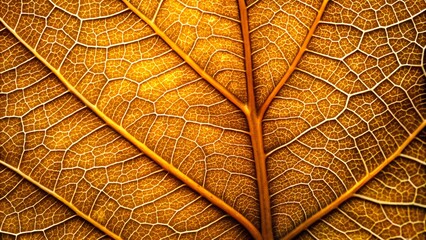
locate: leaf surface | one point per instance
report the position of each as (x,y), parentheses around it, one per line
(212,119)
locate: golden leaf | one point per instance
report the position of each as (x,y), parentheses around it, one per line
(212,119)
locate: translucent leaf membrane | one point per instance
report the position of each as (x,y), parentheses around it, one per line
(209,32)
(30,213)
(278,30)
(49,136)
(118,63)
(355,97)
(392,205)
(200,119)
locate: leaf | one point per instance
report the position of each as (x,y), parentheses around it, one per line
(212,119)
(391,205)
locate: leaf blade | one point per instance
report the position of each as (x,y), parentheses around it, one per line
(343,78)
(394,198)
(350,193)
(74,135)
(62,200)
(155,157)
(30,203)
(295,61)
(349,98)
(230,96)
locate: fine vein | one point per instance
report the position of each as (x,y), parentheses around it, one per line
(350,193)
(295,62)
(64,201)
(225,92)
(155,157)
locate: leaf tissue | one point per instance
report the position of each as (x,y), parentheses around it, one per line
(213,119)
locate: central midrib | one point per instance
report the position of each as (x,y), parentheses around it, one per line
(255,116)
(256,133)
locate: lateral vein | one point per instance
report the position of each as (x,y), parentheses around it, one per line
(64,201)
(295,62)
(142,147)
(351,192)
(218,86)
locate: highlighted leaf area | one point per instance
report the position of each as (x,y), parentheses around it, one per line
(212,119)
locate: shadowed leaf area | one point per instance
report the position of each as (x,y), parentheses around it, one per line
(212,119)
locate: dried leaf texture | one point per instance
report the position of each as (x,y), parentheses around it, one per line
(118,63)
(355,97)
(209,32)
(390,206)
(278,30)
(217,119)
(50,137)
(39,216)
